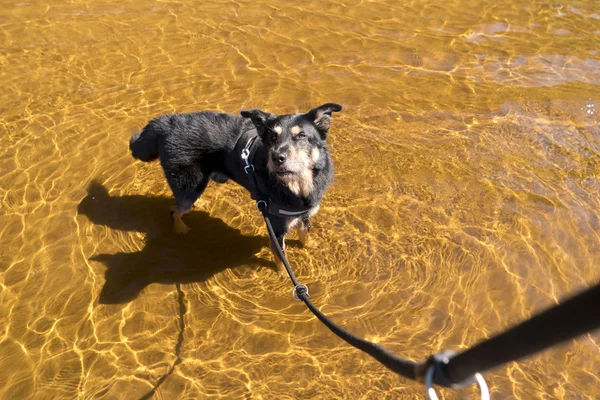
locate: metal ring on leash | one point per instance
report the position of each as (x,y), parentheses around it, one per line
(302,285)
(432,395)
(262,203)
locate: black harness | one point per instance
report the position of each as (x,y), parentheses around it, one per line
(262,199)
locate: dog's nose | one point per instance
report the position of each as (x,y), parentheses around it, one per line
(279,158)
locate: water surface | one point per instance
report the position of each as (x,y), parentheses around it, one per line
(466,195)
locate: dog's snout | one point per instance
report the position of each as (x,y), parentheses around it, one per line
(279,157)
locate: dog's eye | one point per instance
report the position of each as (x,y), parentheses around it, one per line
(274,137)
(301,135)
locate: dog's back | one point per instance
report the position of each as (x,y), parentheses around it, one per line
(186,136)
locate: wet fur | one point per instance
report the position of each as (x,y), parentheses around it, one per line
(197,147)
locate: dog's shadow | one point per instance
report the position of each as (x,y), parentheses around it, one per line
(211,246)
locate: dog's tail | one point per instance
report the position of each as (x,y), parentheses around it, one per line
(144,144)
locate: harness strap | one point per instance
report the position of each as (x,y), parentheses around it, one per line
(271,207)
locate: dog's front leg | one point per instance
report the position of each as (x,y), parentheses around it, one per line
(304,233)
(278,262)
(280,230)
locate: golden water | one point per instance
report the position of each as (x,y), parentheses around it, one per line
(466,195)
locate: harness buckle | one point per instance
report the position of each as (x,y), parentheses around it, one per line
(245,154)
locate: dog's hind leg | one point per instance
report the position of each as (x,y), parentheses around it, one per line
(184,201)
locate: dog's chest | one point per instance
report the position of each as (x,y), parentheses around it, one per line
(293,223)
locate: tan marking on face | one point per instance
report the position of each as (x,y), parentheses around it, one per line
(303,157)
(301,183)
(278,130)
(292,154)
(315,154)
(295,130)
(293,185)
(306,183)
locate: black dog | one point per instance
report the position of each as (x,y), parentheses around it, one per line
(287,155)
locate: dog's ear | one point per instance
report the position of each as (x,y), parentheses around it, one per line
(321,117)
(259,118)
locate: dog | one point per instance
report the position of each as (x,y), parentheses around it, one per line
(286,165)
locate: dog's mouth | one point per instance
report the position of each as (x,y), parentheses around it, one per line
(283,172)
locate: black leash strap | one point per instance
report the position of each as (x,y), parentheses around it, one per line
(572,318)
(403,367)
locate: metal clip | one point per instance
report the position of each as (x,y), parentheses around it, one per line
(245,154)
(261,205)
(300,286)
(432,395)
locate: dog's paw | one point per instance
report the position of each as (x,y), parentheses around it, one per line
(310,243)
(282,273)
(181,229)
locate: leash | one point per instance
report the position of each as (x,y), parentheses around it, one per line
(428,372)
(574,317)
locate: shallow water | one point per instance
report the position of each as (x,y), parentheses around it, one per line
(466,195)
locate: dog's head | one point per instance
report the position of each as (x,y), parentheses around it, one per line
(294,143)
